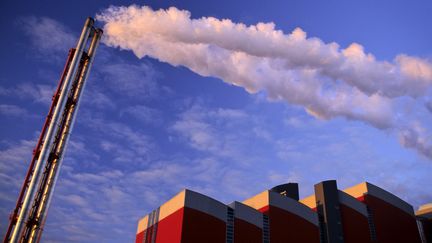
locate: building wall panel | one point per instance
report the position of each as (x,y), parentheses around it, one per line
(247,213)
(246,232)
(199,227)
(391,223)
(169,229)
(427,230)
(140,237)
(287,227)
(293,206)
(205,204)
(171,206)
(355,226)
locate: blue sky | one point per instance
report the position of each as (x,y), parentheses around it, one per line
(146,129)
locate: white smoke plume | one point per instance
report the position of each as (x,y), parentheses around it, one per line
(323,78)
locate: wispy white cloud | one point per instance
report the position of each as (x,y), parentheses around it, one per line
(14,159)
(429,105)
(201,128)
(261,133)
(133,80)
(48,36)
(13,111)
(39,93)
(416,136)
(97,98)
(144,114)
(126,144)
(277,178)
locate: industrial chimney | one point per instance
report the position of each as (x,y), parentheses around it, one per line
(29,216)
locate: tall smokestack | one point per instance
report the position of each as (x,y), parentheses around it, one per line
(30,213)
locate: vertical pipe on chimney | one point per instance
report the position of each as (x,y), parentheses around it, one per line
(68,126)
(53,127)
(37,149)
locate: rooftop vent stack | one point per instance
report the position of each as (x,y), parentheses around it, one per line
(289,190)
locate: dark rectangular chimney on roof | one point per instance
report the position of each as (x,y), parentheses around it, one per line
(289,190)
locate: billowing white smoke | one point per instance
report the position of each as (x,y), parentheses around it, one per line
(326,80)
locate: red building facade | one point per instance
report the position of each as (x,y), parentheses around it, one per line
(360,214)
(282,211)
(392,219)
(187,217)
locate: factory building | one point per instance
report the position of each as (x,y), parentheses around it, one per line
(391,218)
(361,214)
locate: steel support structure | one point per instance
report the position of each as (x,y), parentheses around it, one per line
(28,218)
